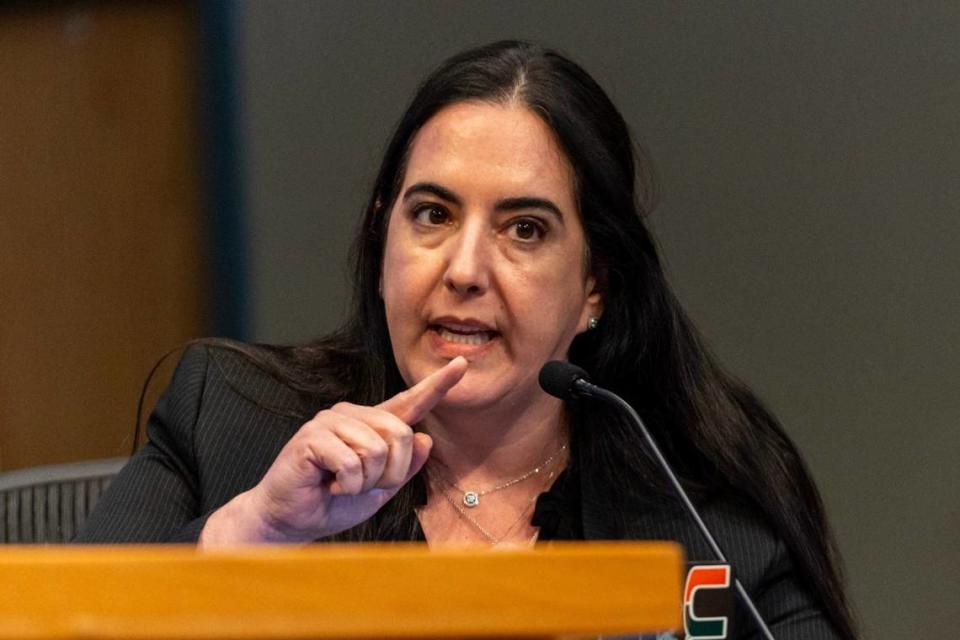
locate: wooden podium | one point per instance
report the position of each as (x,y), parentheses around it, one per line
(563,590)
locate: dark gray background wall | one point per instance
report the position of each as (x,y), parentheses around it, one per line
(809,159)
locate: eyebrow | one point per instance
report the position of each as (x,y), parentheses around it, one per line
(507,204)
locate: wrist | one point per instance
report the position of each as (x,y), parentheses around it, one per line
(242,521)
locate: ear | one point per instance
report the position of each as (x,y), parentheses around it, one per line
(592,304)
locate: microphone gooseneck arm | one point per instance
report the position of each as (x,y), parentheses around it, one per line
(580,387)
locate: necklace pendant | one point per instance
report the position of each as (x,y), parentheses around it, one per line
(471,498)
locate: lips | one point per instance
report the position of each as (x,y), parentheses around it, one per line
(464,332)
(473,337)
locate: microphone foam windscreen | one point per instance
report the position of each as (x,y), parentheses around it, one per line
(557,378)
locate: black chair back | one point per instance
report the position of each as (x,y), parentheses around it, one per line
(49,504)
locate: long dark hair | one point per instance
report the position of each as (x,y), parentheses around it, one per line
(646,349)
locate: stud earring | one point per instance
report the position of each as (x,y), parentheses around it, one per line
(593,323)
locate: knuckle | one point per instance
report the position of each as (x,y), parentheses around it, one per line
(378,450)
(351,465)
(302,450)
(402,434)
(320,421)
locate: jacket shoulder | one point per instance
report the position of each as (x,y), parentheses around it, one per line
(240,414)
(249,371)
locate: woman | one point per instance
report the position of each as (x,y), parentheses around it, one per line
(504,230)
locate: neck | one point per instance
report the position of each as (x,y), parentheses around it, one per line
(482,447)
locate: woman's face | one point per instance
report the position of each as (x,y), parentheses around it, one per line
(484,255)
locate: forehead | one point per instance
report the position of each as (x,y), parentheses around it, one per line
(506,149)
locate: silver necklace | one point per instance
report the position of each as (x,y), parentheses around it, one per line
(492,539)
(471,498)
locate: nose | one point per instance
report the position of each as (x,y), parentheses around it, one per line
(468,263)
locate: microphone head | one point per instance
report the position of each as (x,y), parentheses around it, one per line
(557,378)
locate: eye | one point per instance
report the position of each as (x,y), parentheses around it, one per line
(528,229)
(431,215)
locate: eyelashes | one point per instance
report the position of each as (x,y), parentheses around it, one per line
(528,229)
(524,229)
(431,215)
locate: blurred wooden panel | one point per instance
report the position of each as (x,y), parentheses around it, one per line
(102,255)
(339,591)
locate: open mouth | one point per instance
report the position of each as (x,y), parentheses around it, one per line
(460,334)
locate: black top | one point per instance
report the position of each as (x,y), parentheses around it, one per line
(222,422)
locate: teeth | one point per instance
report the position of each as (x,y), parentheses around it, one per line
(462,328)
(479,337)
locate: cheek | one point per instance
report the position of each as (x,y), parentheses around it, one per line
(393,281)
(394,272)
(406,281)
(547,301)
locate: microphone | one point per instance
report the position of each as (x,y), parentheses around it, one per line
(563,380)
(569,382)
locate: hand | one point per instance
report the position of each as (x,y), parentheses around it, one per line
(338,470)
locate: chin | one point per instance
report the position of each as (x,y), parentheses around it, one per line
(474,392)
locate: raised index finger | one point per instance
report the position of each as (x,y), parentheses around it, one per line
(414,403)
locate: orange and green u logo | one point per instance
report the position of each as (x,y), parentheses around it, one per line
(702,627)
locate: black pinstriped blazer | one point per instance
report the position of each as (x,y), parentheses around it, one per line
(210,438)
